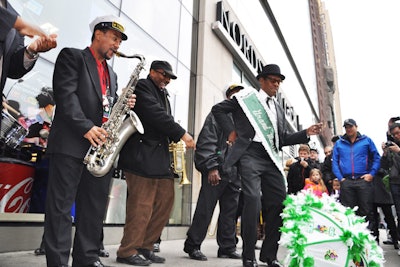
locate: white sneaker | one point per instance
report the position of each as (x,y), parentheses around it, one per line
(398,252)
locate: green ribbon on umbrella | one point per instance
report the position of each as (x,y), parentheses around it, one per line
(298,213)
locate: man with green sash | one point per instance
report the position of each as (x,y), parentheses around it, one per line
(256,136)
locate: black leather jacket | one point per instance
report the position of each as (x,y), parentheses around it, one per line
(211,149)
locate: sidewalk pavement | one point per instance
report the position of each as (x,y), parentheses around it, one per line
(172,250)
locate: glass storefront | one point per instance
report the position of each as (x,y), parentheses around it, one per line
(205,58)
(156,29)
(169,30)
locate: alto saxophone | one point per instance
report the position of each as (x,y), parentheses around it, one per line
(121,124)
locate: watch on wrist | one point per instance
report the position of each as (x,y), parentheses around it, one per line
(32,55)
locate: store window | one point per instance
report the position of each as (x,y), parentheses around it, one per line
(116,3)
(239,76)
(163,35)
(159,19)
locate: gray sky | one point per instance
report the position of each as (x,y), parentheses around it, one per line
(367,43)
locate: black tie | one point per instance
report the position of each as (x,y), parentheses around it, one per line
(269,99)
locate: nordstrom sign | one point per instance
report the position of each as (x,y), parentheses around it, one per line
(233,35)
(239,44)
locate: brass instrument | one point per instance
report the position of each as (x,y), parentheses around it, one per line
(121,124)
(177,151)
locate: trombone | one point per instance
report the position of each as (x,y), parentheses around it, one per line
(178,161)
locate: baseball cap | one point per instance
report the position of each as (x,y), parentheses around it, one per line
(231,87)
(349,122)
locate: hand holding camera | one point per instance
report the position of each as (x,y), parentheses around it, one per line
(389,143)
(392,146)
(303,163)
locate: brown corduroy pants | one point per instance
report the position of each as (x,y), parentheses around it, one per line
(148,207)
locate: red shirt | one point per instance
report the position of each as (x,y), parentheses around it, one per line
(104,76)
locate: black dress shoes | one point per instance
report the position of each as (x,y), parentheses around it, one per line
(388,242)
(250,263)
(156,247)
(149,255)
(39,251)
(230,255)
(134,260)
(195,254)
(97,264)
(104,253)
(275,263)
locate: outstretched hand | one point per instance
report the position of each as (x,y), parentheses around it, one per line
(30,30)
(44,43)
(314,129)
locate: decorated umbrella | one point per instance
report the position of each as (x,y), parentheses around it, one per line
(322,232)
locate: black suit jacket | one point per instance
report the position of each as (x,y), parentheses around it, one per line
(147,154)
(78,97)
(12,45)
(245,132)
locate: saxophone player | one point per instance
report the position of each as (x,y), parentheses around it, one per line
(84,87)
(145,160)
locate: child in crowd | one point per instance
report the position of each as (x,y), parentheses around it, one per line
(335,189)
(315,183)
(299,170)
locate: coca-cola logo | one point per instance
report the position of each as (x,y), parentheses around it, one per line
(16,198)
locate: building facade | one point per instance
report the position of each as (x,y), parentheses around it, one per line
(209,43)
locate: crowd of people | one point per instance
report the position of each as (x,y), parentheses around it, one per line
(236,156)
(356,175)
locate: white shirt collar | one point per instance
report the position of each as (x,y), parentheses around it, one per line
(263,95)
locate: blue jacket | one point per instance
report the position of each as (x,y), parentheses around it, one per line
(355,159)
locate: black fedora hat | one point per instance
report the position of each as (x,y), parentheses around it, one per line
(270,69)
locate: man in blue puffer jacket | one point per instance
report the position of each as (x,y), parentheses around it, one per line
(355,162)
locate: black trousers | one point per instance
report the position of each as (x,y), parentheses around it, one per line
(70,181)
(358,192)
(227,193)
(259,174)
(389,219)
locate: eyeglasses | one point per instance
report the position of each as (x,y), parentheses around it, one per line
(163,73)
(395,132)
(272,80)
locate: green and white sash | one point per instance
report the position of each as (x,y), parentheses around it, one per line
(259,115)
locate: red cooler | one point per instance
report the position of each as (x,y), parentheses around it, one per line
(16,180)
